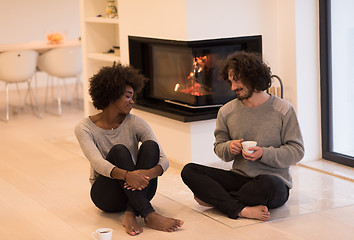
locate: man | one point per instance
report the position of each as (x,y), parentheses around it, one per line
(261,180)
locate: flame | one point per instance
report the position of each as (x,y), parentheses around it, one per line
(177,87)
(192,86)
(193,90)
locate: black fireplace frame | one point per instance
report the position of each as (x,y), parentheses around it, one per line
(139,55)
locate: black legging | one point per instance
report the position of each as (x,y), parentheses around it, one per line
(109,194)
(231,192)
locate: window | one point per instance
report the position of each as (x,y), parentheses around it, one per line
(337,80)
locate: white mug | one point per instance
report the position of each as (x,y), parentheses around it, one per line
(247,144)
(102,234)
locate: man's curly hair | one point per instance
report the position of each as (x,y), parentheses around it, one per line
(109,84)
(250,69)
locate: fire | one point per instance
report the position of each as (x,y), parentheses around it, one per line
(193,84)
(193,90)
(176,87)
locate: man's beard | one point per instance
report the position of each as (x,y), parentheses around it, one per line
(247,95)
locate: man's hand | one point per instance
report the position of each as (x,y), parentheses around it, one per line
(257,154)
(236,147)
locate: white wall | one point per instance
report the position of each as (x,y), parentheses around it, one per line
(31,20)
(154,18)
(285,44)
(308,76)
(24,21)
(202,142)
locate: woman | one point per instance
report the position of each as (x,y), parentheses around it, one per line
(123,175)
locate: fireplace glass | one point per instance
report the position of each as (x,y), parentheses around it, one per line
(186,73)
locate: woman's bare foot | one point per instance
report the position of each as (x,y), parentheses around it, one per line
(161,223)
(131,225)
(259,212)
(204,204)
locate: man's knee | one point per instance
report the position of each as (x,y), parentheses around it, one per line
(268,182)
(187,171)
(274,189)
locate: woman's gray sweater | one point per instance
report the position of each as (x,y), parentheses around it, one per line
(96,142)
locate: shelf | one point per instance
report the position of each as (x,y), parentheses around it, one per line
(107,57)
(99,34)
(102,20)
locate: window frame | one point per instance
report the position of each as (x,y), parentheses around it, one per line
(326,87)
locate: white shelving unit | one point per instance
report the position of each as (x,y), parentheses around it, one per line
(99,34)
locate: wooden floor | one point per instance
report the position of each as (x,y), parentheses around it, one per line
(44,191)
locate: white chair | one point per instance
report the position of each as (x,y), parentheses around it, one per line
(60,64)
(19,67)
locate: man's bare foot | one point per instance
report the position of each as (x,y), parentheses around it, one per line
(204,204)
(131,225)
(161,223)
(259,212)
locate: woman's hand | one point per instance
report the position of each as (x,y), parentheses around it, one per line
(136,180)
(236,147)
(257,154)
(141,177)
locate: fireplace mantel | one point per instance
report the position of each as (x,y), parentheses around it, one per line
(176,112)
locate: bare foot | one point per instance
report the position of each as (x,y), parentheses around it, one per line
(161,223)
(131,225)
(204,204)
(259,212)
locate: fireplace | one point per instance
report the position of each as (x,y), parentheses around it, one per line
(184,75)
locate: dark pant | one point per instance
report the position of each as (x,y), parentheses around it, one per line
(231,192)
(109,194)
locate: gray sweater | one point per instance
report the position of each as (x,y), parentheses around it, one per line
(273,125)
(96,142)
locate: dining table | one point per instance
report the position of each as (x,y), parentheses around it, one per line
(39,46)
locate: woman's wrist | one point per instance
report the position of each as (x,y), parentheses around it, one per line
(125,175)
(156,171)
(120,174)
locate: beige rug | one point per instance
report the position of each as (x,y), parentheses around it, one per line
(312,192)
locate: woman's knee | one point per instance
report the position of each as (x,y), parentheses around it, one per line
(149,154)
(118,151)
(149,148)
(150,144)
